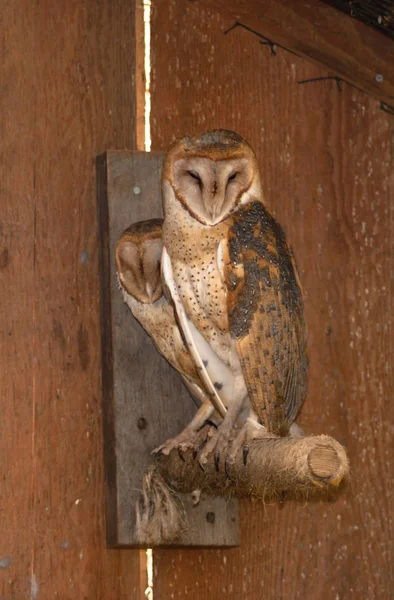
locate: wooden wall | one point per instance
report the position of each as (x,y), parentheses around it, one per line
(67,94)
(327,164)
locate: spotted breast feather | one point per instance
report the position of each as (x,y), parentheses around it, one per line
(265,310)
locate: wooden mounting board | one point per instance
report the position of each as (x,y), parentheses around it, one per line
(145,401)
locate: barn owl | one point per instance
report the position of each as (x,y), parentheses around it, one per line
(138,260)
(233,282)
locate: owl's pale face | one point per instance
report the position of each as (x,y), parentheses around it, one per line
(212,174)
(138,259)
(212,189)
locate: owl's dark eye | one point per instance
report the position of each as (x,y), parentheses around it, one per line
(194,175)
(232,177)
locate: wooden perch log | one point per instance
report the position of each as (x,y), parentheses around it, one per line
(300,467)
(297,465)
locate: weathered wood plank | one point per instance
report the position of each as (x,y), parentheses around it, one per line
(17,258)
(326,161)
(66,95)
(145,401)
(346,47)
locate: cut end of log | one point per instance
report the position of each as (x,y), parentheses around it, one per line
(325,464)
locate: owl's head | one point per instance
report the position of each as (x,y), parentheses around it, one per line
(138,258)
(211,174)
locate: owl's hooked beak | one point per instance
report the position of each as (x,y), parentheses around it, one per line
(149,290)
(214,208)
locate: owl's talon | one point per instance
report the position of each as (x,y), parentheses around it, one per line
(201,466)
(282,497)
(157,451)
(216,458)
(245,452)
(227,464)
(180,454)
(197,449)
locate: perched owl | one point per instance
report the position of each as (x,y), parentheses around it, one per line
(138,260)
(233,282)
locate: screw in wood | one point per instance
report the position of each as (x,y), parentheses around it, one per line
(210,517)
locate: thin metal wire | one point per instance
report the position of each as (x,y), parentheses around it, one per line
(266,42)
(387,108)
(337,80)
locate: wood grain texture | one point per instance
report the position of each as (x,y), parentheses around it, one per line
(348,48)
(138,383)
(66,95)
(327,168)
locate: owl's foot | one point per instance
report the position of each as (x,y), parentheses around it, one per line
(188,439)
(216,443)
(252,430)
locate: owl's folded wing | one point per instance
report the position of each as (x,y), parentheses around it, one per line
(265,312)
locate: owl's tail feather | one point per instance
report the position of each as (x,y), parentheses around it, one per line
(160,513)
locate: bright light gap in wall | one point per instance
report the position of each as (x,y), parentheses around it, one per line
(147,106)
(149,572)
(147,145)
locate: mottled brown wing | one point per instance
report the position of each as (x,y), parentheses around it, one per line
(266,316)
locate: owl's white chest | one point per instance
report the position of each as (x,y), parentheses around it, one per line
(193,255)
(193,251)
